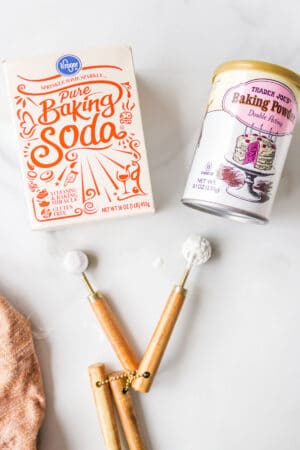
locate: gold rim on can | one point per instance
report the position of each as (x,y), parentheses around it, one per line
(248,64)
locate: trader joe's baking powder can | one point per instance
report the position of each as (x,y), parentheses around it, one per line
(247,130)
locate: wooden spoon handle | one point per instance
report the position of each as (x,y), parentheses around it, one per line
(127,413)
(158,343)
(113,331)
(104,406)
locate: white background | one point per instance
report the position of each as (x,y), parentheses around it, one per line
(231,377)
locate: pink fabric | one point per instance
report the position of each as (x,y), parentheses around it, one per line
(22,399)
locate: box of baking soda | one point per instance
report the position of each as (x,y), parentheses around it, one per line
(80,136)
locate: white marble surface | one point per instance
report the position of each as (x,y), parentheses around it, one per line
(231,377)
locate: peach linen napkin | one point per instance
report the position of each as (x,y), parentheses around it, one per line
(22,399)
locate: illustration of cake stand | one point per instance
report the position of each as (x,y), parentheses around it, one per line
(247,191)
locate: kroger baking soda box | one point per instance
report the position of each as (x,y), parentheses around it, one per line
(80,136)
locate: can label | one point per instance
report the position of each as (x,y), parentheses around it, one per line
(243,145)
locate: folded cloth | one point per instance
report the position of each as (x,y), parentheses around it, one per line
(22,399)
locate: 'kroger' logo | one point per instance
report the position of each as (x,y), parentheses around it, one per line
(68,65)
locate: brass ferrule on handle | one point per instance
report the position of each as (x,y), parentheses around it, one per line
(95,297)
(160,338)
(113,331)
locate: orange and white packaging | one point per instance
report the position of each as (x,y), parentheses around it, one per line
(80,136)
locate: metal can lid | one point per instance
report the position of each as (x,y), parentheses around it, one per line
(248,64)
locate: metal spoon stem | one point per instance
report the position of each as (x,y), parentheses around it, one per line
(87,283)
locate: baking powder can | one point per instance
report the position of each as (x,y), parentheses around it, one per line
(246,133)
